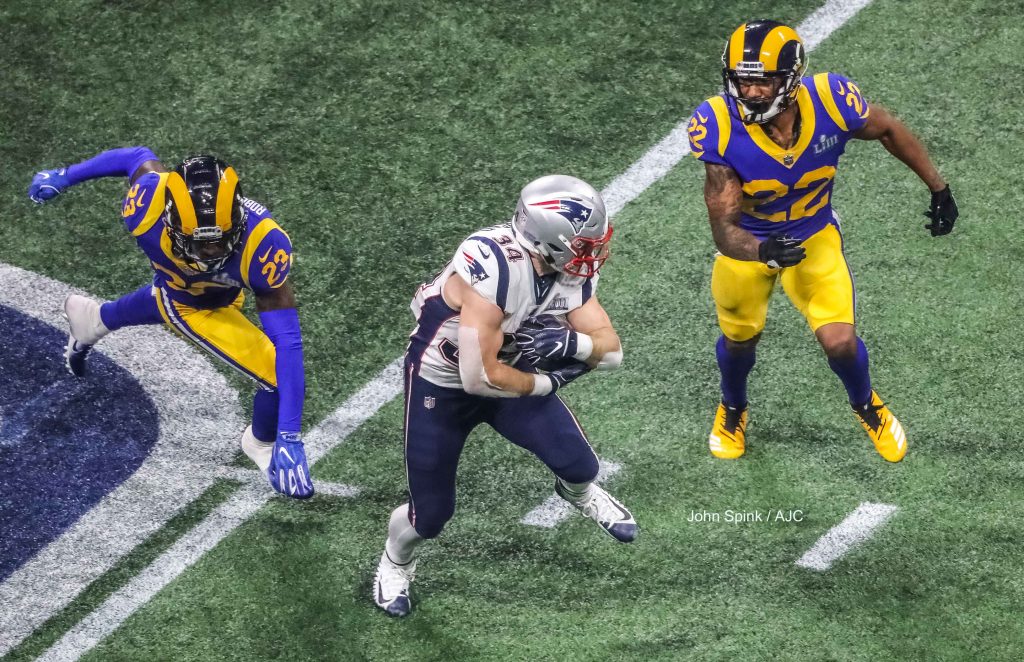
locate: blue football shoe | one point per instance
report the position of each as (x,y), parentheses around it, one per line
(603,508)
(391,586)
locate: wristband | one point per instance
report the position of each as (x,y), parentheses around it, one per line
(541,385)
(584,347)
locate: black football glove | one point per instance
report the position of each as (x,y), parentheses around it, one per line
(943,212)
(567,373)
(546,340)
(779,250)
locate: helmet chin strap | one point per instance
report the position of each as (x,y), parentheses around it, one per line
(541,266)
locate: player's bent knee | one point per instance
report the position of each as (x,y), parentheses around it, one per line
(429,528)
(746,344)
(839,341)
(581,469)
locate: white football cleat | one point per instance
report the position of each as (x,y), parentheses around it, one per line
(391,586)
(603,508)
(86,328)
(258,451)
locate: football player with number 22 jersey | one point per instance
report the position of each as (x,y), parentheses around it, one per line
(771,144)
(206,243)
(511,318)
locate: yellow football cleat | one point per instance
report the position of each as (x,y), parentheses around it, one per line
(729,432)
(883,428)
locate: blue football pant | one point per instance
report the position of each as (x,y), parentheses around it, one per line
(438,421)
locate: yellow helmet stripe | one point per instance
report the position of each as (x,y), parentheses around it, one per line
(225,198)
(773,43)
(736,46)
(182,202)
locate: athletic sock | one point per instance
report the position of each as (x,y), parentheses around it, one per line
(402,537)
(854,374)
(734,366)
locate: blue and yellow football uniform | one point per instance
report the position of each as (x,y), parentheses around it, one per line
(206,307)
(785,191)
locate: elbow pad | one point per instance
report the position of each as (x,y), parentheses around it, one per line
(610,361)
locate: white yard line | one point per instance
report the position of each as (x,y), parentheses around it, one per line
(650,168)
(555,509)
(858,526)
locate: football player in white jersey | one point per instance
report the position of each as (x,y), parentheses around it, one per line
(510,320)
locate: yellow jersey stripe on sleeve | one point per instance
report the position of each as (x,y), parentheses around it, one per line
(824,89)
(258,234)
(724,123)
(155,209)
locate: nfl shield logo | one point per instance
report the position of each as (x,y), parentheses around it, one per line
(787,159)
(429,402)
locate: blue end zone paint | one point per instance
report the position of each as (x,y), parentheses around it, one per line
(64,442)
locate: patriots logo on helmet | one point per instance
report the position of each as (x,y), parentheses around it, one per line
(474,269)
(571,209)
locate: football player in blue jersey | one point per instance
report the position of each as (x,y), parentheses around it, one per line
(770,144)
(206,244)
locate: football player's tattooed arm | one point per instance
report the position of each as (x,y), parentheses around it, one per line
(480,340)
(723,194)
(592,323)
(900,141)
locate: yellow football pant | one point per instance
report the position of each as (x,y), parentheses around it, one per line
(820,286)
(227,334)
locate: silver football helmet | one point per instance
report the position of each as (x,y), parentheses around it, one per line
(562,220)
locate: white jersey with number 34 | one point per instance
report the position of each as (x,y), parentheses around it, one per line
(493,263)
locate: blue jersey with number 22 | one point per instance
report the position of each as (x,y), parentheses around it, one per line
(784,190)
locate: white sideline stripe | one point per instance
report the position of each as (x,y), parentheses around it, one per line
(254,477)
(858,526)
(555,508)
(650,168)
(191,547)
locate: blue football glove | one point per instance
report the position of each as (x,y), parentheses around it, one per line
(567,373)
(288,471)
(48,184)
(546,340)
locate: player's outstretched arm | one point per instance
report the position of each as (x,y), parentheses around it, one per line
(131,162)
(901,142)
(289,470)
(594,329)
(723,194)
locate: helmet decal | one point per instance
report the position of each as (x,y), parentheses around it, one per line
(562,221)
(572,209)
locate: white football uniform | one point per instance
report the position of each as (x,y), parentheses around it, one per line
(493,263)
